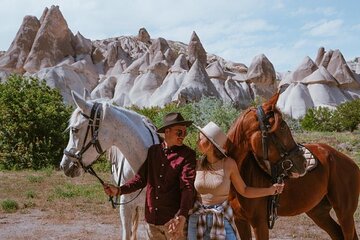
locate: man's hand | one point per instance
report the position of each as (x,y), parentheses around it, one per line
(176,227)
(111,190)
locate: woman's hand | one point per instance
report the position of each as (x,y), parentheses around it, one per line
(175,227)
(111,190)
(277,188)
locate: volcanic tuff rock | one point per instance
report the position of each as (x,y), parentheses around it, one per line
(138,70)
(327,82)
(53,42)
(16,56)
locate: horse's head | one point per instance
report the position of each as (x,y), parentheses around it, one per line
(262,132)
(84,145)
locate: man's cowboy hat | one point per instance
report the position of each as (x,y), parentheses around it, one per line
(215,135)
(172,119)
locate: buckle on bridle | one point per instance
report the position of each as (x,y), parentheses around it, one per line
(283,165)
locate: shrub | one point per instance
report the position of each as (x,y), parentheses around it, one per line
(348,115)
(9,205)
(318,119)
(202,112)
(32,120)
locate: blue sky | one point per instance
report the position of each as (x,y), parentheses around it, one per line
(286,31)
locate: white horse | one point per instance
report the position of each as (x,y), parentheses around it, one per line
(124,134)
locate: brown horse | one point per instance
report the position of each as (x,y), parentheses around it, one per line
(261,134)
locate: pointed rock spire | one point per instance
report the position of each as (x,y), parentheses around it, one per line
(261,70)
(306,68)
(341,71)
(180,64)
(16,55)
(81,45)
(319,56)
(196,50)
(326,59)
(195,85)
(52,42)
(144,36)
(215,70)
(159,44)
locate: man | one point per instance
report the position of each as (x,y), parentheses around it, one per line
(168,174)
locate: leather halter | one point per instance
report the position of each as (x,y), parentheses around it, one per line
(93,127)
(285,163)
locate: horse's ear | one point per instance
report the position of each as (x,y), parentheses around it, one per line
(273,100)
(80,102)
(86,95)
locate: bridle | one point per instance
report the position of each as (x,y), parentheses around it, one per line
(279,170)
(93,128)
(282,167)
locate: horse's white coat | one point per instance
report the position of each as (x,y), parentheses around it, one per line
(126,136)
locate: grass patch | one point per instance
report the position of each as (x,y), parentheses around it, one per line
(69,190)
(35,179)
(30,194)
(9,205)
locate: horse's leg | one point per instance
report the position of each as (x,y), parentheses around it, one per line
(261,230)
(125,213)
(320,214)
(345,215)
(244,229)
(343,193)
(241,223)
(134,223)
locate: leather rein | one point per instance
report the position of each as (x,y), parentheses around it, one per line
(279,170)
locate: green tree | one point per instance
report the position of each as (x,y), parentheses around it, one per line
(33,118)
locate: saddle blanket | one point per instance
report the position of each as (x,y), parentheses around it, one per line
(311,161)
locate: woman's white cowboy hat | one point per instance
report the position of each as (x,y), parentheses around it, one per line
(215,135)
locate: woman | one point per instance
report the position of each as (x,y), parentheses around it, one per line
(212,217)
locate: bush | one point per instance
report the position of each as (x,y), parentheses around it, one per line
(32,120)
(346,117)
(202,112)
(318,119)
(9,205)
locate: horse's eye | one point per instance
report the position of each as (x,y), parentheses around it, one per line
(74,130)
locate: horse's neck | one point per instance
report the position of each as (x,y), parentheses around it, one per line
(126,130)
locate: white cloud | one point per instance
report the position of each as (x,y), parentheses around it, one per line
(321,11)
(324,28)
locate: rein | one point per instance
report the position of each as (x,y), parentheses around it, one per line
(115,204)
(278,171)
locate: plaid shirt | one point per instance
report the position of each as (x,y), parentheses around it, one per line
(219,212)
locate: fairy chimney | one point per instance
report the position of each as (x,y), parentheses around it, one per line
(52,42)
(196,50)
(144,36)
(16,55)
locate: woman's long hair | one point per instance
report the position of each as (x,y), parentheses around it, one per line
(204,163)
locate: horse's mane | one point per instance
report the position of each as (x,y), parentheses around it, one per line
(238,146)
(132,115)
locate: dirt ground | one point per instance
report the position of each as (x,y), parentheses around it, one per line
(38,224)
(46,212)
